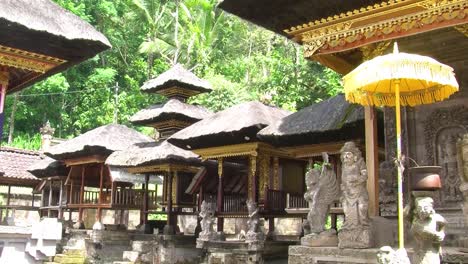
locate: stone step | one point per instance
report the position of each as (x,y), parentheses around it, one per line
(65,259)
(131,255)
(143,246)
(74,252)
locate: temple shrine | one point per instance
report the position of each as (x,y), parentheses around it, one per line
(342,35)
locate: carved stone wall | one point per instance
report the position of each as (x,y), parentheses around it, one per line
(432,133)
(442,129)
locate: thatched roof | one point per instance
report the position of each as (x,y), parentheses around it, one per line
(48,167)
(238,124)
(331,120)
(278,15)
(14,164)
(152,154)
(172,109)
(102,141)
(177,76)
(43,27)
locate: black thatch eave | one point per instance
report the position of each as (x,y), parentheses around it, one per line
(165,117)
(45,28)
(171,110)
(176,83)
(153,153)
(237,124)
(177,76)
(48,167)
(332,120)
(100,141)
(278,15)
(245,135)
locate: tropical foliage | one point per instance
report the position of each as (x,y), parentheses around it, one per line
(243,62)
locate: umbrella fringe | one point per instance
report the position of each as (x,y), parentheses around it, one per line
(440,93)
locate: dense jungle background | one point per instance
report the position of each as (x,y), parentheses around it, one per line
(242,62)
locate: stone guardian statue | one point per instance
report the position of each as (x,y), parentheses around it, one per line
(207,215)
(322,191)
(427,228)
(356,231)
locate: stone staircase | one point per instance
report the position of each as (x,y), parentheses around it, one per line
(143,251)
(69,256)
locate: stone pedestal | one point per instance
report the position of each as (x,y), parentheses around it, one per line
(360,237)
(304,254)
(324,239)
(254,237)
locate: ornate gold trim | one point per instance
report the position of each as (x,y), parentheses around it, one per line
(383,21)
(462,29)
(4,78)
(163,168)
(220,167)
(264,174)
(251,177)
(245,149)
(26,60)
(374,49)
(276,184)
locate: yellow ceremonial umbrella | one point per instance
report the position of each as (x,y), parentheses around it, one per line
(399,79)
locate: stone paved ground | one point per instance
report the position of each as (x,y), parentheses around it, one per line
(277,261)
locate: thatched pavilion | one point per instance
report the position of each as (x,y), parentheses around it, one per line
(13,175)
(343,34)
(321,127)
(53,175)
(90,183)
(176,165)
(230,136)
(38,40)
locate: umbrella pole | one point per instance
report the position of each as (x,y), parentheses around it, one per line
(401,240)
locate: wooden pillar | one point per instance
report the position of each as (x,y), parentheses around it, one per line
(170,213)
(4,78)
(80,210)
(49,203)
(252,180)
(82,184)
(372,159)
(60,209)
(8,200)
(220,198)
(113,192)
(200,197)
(101,200)
(32,199)
(145,200)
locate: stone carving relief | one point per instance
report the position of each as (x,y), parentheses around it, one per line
(355,232)
(387,189)
(442,129)
(462,151)
(446,157)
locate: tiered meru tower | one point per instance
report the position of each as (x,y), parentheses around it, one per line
(178,84)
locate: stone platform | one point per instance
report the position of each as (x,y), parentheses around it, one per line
(335,255)
(234,251)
